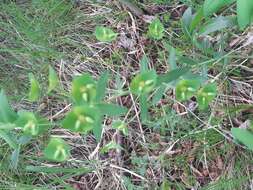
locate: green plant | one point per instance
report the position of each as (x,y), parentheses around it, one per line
(244,9)
(156,30)
(105,34)
(244,136)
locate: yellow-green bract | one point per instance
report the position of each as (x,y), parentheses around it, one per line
(144,82)
(156,29)
(34,92)
(57,150)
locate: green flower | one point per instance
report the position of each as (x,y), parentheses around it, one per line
(57,150)
(82,119)
(206,94)
(84,89)
(105,34)
(156,30)
(144,82)
(185,89)
(31,124)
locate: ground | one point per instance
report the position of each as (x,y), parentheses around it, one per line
(181,147)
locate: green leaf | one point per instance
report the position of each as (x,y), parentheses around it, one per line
(144,107)
(156,29)
(172,75)
(7,115)
(172,59)
(158,94)
(144,63)
(121,126)
(206,94)
(212,6)
(34,92)
(111,145)
(101,86)
(105,34)
(57,150)
(197,18)
(82,119)
(31,124)
(244,136)
(111,109)
(186,22)
(9,138)
(185,89)
(52,79)
(144,82)
(217,24)
(15,158)
(84,89)
(244,12)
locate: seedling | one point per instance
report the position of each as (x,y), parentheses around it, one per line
(57,150)
(82,119)
(185,89)
(156,30)
(206,94)
(83,89)
(144,82)
(31,124)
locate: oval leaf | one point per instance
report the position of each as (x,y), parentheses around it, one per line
(52,79)
(34,92)
(244,136)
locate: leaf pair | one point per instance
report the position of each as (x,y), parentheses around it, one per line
(53,82)
(186,89)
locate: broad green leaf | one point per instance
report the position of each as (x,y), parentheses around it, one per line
(111,145)
(31,124)
(172,59)
(244,12)
(34,92)
(15,158)
(105,34)
(84,89)
(197,18)
(144,107)
(101,86)
(156,30)
(82,119)
(57,150)
(52,79)
(144,63)
(7,115)
(158,94)
(244,136)
(121,126)
(186,22)
(111,109)
(172,75)
(9,138)
(206,94)
(185,89)
(217,24)
(144,82)
(212,6)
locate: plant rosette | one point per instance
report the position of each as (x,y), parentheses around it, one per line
(84,89)
(31,124)
(57,150)
(144,82)
(82,119)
